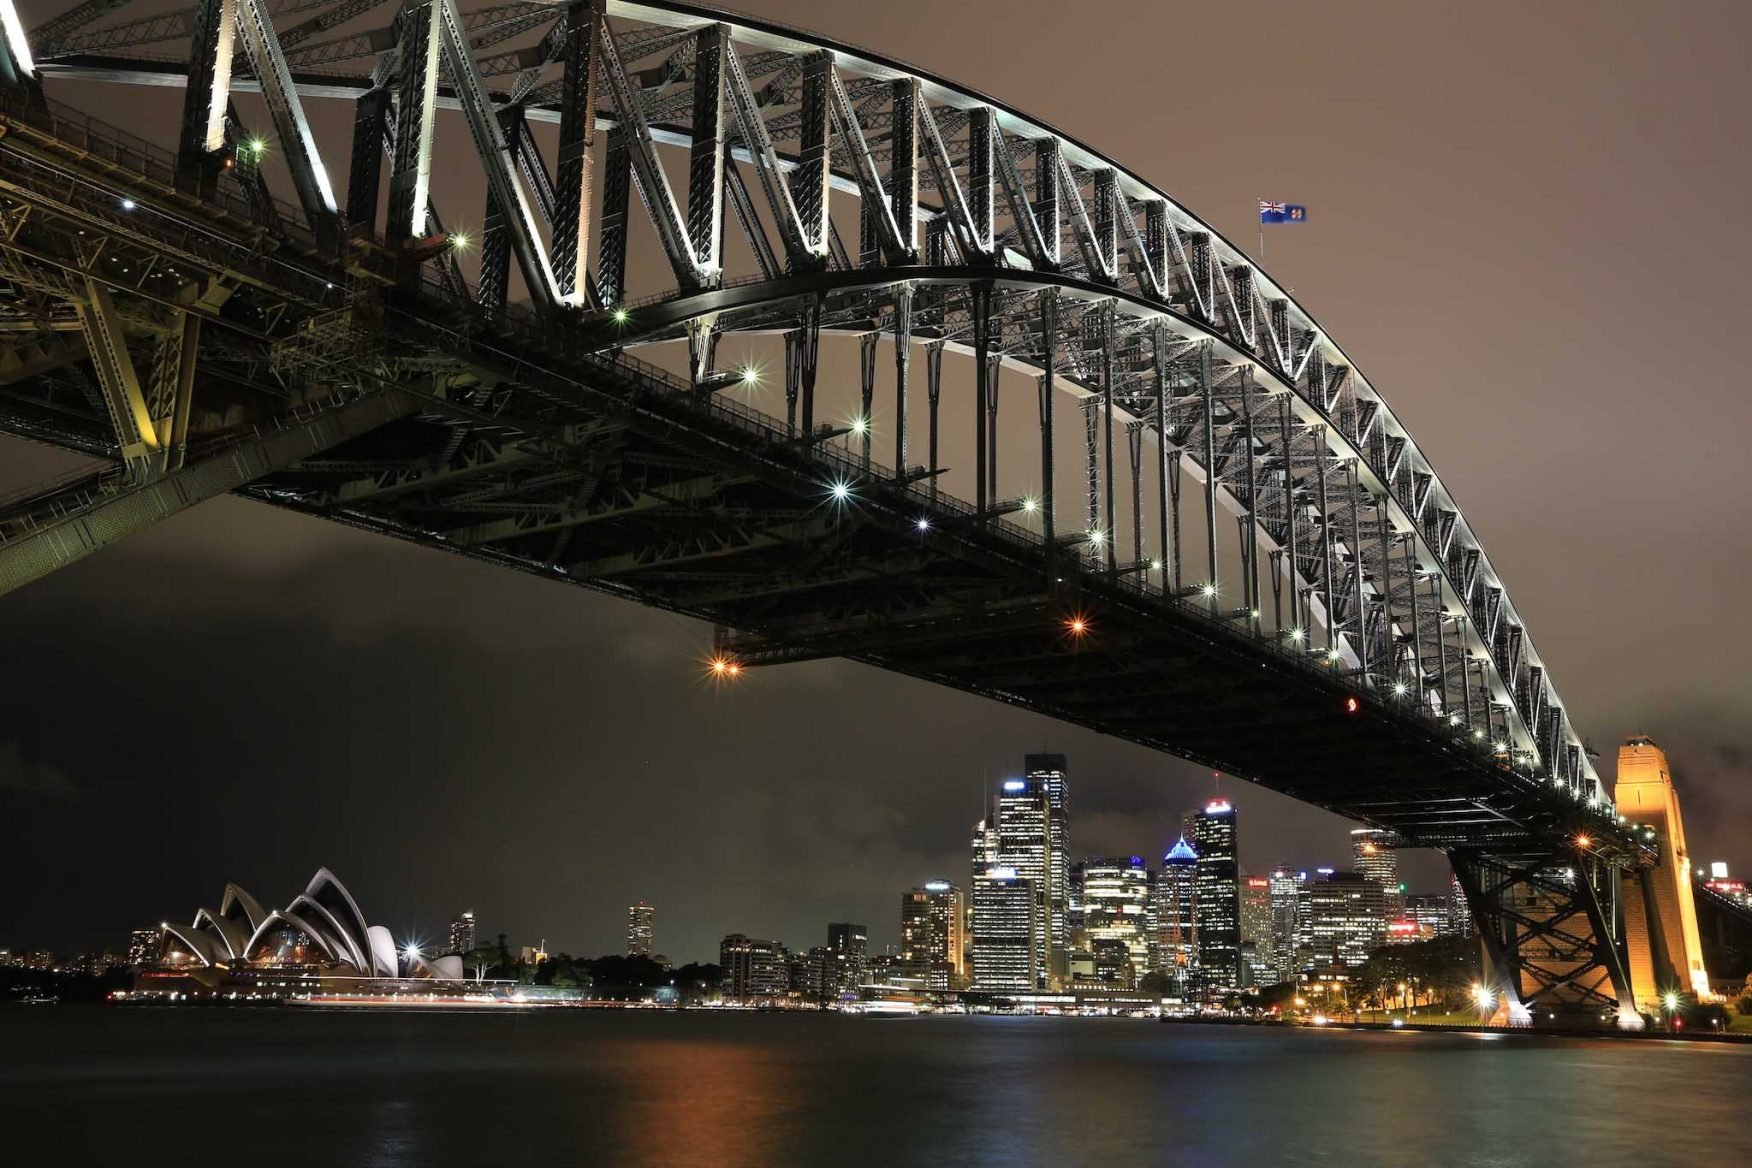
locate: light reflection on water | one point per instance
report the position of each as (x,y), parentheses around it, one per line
(649,1090)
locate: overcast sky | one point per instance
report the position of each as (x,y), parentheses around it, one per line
(1526,226)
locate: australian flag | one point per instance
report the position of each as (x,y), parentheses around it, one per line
(1282,212)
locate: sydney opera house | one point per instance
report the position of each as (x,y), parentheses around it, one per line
(320,943)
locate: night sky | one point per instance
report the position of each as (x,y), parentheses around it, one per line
(1528,226)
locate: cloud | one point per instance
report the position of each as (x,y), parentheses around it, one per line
(21,776)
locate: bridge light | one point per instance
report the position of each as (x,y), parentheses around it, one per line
(1029,506)
(1584,842)
(1477,735)
(860,425)
(1351,705)
(258,146)
(725,668)
(127,204)
(1208,588)
(1453,719)
(460,240)
(1155,565)
(924,524)
(1297,635)
(1095,536)
(1077,625)
(841,491)
(750,375)
(1400,688)
(620,314)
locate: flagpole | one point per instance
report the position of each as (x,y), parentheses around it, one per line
(1261,233)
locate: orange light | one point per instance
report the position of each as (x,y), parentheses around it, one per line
(723,667)
(1351,705)
(1077,626)
(1583,841)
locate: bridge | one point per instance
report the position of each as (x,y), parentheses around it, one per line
(1197,525)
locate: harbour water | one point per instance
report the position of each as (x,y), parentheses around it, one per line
(648,1089)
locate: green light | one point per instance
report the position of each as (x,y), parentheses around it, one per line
(621,315)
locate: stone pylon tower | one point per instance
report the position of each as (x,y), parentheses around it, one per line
(1660,917)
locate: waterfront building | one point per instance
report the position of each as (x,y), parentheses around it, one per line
(1116,907)
(1218,898)
(1175,896)
(932,934)
(143,947)
(1285,894)
(1053,774)
(753,970)
(1348,912)
(1257,965)
(1009,932)
(462,933)
(641,929)
(852,943)
(1430,913)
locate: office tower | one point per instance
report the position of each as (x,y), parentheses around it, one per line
(1257,966)
(1176,919)
(931,933)
(1374,855)
(1285,893)
(1218,898)
(462,932)
(1348,918)
(1459,912)
(1053,775)
(1116,904)
(641,929)
(143,946)
(1009,932)
(985,845)
(1031,839)
(752,969)
(852,942)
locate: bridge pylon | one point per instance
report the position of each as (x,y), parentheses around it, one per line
(1665,945)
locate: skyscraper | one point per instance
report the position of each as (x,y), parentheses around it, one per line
(641,929)
(1176,919)
(1009,934)
(852,943)
(462,932)
(1285,889)
(1373,854)
(1459,912)
(1218,904)
(1053,775)
(1032,843)
(1258,964)
(1116,905)
(931,935)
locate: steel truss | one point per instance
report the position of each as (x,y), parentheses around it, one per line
(151,300)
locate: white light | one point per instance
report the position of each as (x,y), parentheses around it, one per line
(1028,505)
(1095,536)
(924,524)
(860,426)
(1208,588)
(621,315)
(1155,565)
(842,492)
(127,204)
(1477,735)
(1399,688)
(1296,635)
(15,38)
(750,375)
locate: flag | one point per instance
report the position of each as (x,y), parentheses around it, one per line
(1282,212)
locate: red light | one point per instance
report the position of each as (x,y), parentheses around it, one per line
(1351,705)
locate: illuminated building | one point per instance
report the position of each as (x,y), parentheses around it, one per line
(1116,907)
(931,933)
(1348,914)
(852,943)
(753,970)
(143,947)
(1034,841)
(985,846)
(1668,951)
(1176,920)
(1218,898)
(1459,912)
(1285,892)
(1430,912)
(1009,932)
(1373,854)
(462,933)
(641,929)
(1257,964)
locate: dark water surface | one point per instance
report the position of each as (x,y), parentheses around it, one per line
(270,1087)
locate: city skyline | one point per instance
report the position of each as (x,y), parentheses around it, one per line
(321,610)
